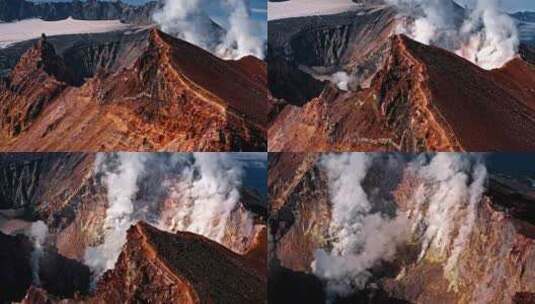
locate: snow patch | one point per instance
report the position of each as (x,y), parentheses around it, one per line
(302,8)
(13,32)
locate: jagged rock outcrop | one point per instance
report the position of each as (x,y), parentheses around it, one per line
(40,76)
(160,267)
(424,98)
(144,91)
(197,270)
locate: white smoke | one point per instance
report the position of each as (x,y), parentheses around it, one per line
(240,40)
(446,204)
(493,36)
(485,36)
(209,198)
(37,233)
(188,20)
(340,78)
(181,192)
(122,187)
(361,238)
(440,215)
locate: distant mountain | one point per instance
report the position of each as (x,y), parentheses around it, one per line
(524,16)
(11,10)
(526,27)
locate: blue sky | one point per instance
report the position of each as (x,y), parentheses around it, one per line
(509,5)
(259,9)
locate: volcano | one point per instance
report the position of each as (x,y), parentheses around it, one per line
(419,101)
(129,90)
(347,82)
(494,265)
(155,266)
(158,261)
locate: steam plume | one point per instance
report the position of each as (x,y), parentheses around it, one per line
(189,192)
(211,198)
(122,187)
(447,202)
(485,36)
(341,78)
(361,238)
(37,233)
(188,20)
(442,212)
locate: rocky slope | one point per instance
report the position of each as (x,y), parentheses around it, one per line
(495,266)
(346,82)
(138,91)
(160,267)
(423,98)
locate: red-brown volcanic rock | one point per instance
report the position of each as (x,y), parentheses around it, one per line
(173,96)
(160,267)
(424,98)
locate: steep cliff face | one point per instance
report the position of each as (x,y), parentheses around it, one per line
(59,189)
(41,183)
(127,94)
(495,264)
(301,49)
(300,210)
(424,98)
